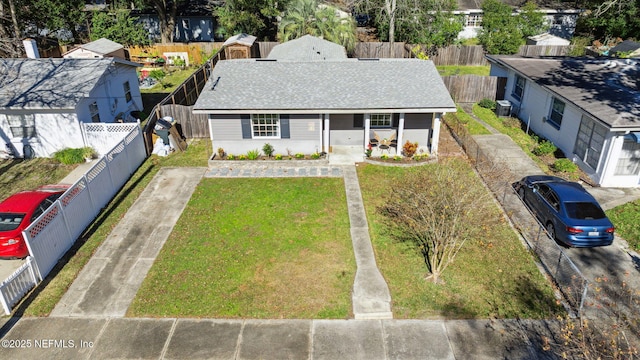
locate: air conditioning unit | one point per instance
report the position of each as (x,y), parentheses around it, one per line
(503,108)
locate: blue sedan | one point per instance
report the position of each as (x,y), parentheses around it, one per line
(569,213)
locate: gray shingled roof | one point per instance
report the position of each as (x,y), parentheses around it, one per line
(325,86)
(606,89)
(308,48)
(102,46)
(49,83)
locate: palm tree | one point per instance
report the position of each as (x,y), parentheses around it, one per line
(306,17)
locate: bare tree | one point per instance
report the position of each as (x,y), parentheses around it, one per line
(438,209)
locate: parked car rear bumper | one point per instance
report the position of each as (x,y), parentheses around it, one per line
(582,241)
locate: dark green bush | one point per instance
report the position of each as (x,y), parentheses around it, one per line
(70,156)
(487,104)
(267,149)
(545,147)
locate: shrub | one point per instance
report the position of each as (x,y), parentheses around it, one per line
(418,157)
(220,152)
(69,156)
(545,147)
(230,157)
(253,154)
(315,155)
(278,157)
(565,165)
(242,157)
(384,157)
(89,153)
(299,156)
(487,104)
(409,148)
(397,158)
(267,149)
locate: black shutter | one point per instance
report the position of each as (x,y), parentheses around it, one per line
(358,121)
(246,126)
(396,120)
(284,127)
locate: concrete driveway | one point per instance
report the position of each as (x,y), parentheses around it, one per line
(613,269)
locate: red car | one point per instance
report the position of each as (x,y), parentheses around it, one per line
(18,211)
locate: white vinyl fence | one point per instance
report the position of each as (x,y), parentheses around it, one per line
(55,231)
(102,137)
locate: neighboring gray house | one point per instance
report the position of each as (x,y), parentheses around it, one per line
(302,105)
(44,102)
(97,49)
(589,108)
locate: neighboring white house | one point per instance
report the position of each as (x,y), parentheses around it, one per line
(589,108)
(98,49)
(307,97)
(43,102)
(561,21)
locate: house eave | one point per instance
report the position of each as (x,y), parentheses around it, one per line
(324,111)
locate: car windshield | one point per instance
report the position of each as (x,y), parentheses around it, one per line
(584,210)
(10,221)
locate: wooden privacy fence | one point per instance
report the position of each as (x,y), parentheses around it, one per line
(193,125)
(186,94)
(471,88)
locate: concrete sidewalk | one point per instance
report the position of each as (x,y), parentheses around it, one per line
(86,338)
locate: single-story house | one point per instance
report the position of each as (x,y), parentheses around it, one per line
(43,102)
(97,49)
(560,17)
(298,104)
(587,107)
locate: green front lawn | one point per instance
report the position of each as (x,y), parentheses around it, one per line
(492,276)
(264,248)
(626,219)
(18,174)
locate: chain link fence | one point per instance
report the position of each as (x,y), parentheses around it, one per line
(499,176)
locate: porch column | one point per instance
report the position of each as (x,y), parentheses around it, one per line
(367,127)
(436,132)
(325,143)
(400,132)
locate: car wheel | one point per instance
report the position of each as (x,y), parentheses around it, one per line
(551,230)
(521,193)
